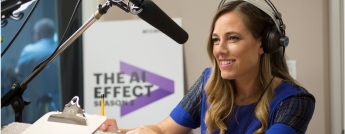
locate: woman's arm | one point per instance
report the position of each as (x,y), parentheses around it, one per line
(186,113)
(167,126)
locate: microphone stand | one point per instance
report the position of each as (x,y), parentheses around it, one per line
(14,95)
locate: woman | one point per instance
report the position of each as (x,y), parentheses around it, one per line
(247,90)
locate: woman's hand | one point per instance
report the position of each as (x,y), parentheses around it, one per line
(109,125)
(142,130)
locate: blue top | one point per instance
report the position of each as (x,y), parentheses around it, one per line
(291,110)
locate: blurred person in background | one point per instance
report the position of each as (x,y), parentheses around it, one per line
(43,91)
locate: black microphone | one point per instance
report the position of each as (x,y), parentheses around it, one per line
(153,15)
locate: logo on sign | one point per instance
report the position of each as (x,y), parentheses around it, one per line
(143,93)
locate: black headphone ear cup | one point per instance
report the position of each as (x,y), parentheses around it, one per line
(271,39)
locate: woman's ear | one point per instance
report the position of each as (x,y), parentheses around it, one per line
(261,48)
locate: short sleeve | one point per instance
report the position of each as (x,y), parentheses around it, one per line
(295,112)
(280,129)
(187,112)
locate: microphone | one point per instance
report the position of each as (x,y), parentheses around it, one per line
(152,14)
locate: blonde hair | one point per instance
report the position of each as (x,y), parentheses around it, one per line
(220,92)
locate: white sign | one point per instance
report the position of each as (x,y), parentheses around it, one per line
(138,68)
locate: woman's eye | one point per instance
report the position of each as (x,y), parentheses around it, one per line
(215,40)
(233,38)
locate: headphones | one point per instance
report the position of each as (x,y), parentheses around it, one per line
(274,36)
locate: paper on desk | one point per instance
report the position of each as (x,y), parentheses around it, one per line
(43,126)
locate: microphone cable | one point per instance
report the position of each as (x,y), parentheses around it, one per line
(63,36)
(20,29)
(251,113)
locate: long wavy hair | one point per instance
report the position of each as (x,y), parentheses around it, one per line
(220,92)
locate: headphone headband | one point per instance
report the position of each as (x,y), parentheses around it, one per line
(276,16)
(274,36)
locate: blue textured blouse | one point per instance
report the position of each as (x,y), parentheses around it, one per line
(290,111)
